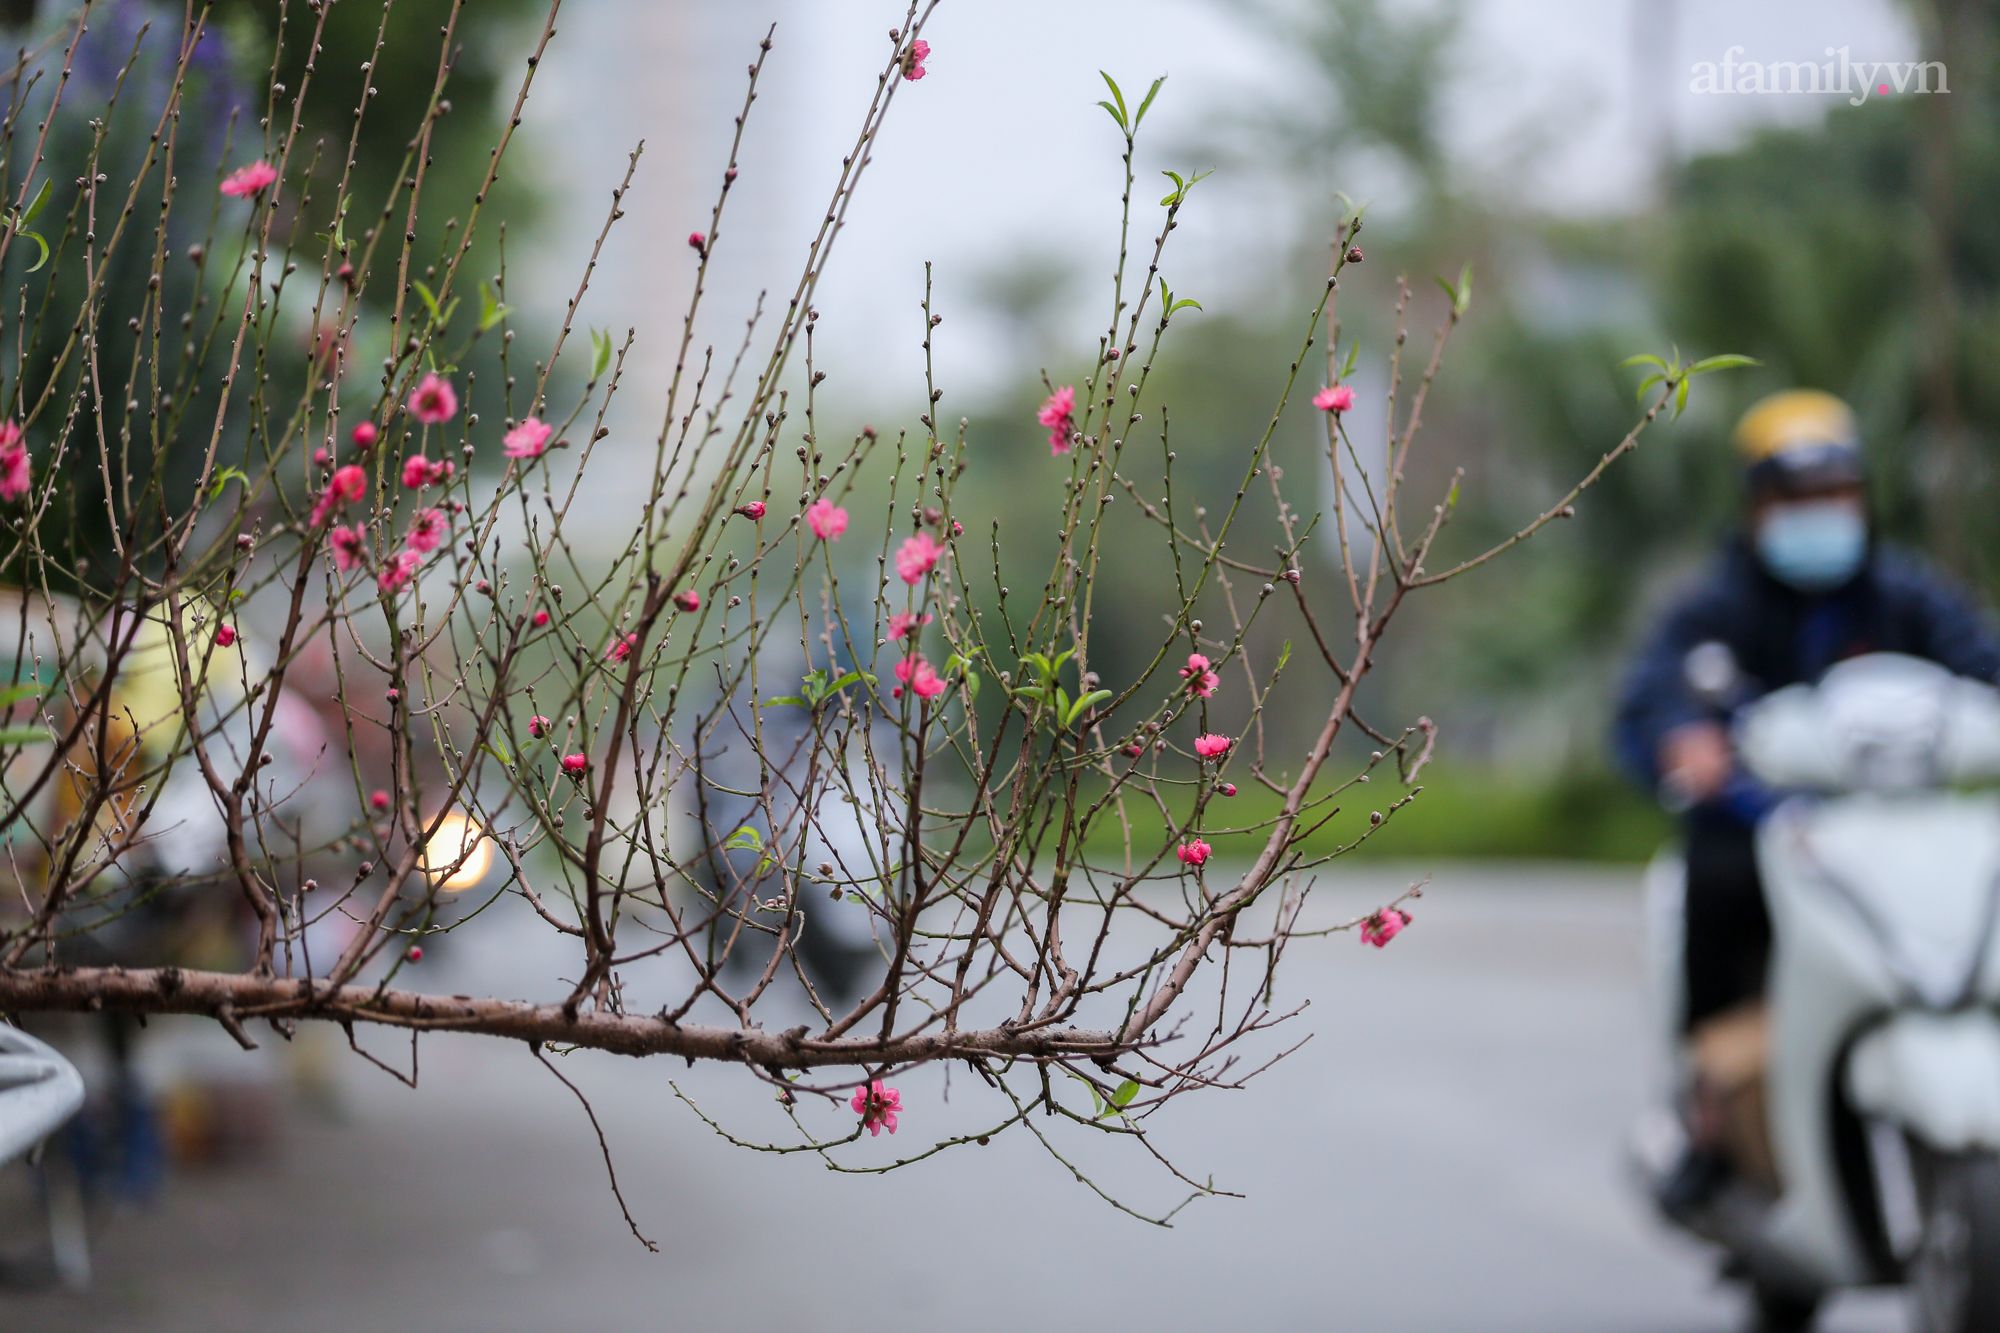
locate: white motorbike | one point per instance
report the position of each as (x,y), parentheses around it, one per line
(1876,1094)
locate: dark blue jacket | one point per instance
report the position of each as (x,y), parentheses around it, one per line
(1780,636)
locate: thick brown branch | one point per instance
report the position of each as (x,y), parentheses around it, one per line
(241,997)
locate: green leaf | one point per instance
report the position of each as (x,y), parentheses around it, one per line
(1451,497)
(1451,292)
(1112,84)
(1643,359)
(1062,705)
(785,701)
(1353,355)
(41,246)
(13,694)
(1464,298)
(1083,705)
(430,302)
(600,359)
(1096,1102)
(223,478)
(1184,301)
(1648,383)
(490,308)
(39,202)
(971,684)
(499,752)
(1284,654)
(1681,397)
(25,736)
(745,837)
(1121,1097)
(1726,361)
(1139,115)
(1173,196)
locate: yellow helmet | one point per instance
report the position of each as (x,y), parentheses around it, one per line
(1800,439)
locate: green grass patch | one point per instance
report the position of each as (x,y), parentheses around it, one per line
(1462,813)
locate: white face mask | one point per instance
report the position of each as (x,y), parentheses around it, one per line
(1813,545)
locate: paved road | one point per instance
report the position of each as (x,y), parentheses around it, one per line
(1442,1156)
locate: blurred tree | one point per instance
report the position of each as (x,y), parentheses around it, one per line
(219,129)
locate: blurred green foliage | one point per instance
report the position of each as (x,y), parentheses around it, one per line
(1857,253)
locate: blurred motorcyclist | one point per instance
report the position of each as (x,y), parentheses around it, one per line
(1802,585)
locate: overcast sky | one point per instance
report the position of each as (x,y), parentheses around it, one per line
(1000,152)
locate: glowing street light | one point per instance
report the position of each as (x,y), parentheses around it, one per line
(458,855)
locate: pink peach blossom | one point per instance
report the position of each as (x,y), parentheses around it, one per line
(365,434)
(826,519)
(1058,412)
(433,402)
(752,510)
(1336,399)
(538,726)
(1193,852)
(419,472)
(1201,681)
(920,676)
(917,557)
(1384,926)
(529,439)
(349,547)
(224,635)
(622,648)
(541,617)
(379,799)
(428,531)
(905,624)
(15,475)
(878,1106)
(247,182)
(347,483)
(688,600)
(927,683)
(1058,406)
(400,569)
(1211,745)
(914,58)
(576,765)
